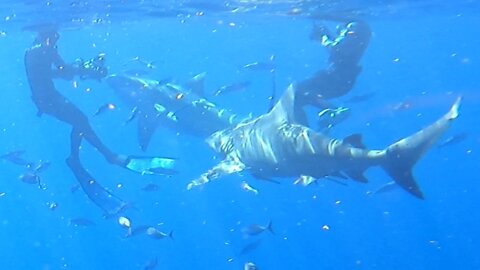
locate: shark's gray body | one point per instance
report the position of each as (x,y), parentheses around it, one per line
(171,106)
(276,145)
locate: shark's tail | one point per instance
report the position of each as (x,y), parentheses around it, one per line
(402,155)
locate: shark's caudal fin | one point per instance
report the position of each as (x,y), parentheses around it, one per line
(402,155)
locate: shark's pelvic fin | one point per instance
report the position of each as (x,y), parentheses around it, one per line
(404,154)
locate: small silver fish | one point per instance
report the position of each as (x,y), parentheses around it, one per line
(15,157)
(105,107)
(81,222)
(245,186)
(137,59)
(150,187)
(251,246)
(137,230)
(236,87)
(361,98)
(52,205)
(74,188)
(331,117)
(255,229)
(457,138)
(39,166)
(133,115)
(387,187)
(151,264)
(250,266)
(124,222)
(31,177)
(156,234)
(262,66)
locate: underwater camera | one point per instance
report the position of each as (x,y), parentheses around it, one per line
(92,69)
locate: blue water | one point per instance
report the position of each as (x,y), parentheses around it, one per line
(421,53)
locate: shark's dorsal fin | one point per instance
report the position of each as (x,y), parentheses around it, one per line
(355,140)
(284,109)
(196,84)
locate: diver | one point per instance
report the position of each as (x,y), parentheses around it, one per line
(345,53)
(39,60)
(43,64)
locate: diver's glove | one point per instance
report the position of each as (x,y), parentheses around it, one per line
(331,117)
(91,69)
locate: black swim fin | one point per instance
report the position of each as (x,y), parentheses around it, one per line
(151,165)
(103,198)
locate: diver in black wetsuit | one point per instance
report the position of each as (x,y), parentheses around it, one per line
(343,68)
(43,64)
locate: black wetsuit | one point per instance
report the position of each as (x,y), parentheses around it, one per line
(339,77)
(43,64)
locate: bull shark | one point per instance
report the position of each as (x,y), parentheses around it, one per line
(277,145)
(158,103)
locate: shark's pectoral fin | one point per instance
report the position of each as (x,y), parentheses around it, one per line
(147,124)
(225,167)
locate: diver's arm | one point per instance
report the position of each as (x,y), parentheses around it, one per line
(62,70)
(91,69)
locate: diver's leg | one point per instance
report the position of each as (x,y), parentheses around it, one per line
(75,143)
(62,109)
(91,137)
